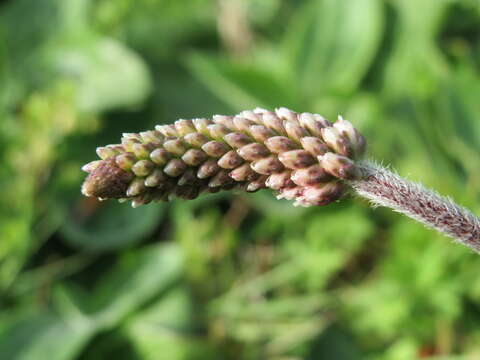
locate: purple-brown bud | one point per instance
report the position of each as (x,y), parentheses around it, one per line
(302,157)
(339,166)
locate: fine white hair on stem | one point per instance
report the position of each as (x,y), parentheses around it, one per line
(385,188)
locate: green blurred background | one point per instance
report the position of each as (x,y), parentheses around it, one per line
(232,276)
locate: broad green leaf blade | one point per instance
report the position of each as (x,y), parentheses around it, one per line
(111,225)
(108,74)
(44,336)
(332,43)
(139,277)
(241,86)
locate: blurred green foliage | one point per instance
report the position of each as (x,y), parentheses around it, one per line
(231,276)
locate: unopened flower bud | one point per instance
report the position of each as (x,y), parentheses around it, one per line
(143,167)
(175,146)
(215,149)
(338,165)
(311,175)
(141,151)
(314,145)
(92,165)
(357,141)
(195,139)
(189,177)
(280,180)
(286,114)
(337,142)
(256,184)
(167,130)
(136,187)
(296,159)
(152,136)
(295,131)
(319,195)
(208,169)
(155,178)
(230,160)
(267,166)
(281,150)
(220,179)
(201,125)
(274,122)
(280,144)
(237,140)
(105,152)
(160,156)
(243,173)
(194,157)
(261,133)
(218,131)
(253,151)
(314,124)
(174,168)
(184,127)
(224,120)
(242,124)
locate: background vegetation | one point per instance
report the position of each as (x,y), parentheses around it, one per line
(234,276)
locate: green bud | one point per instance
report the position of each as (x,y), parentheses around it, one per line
(167,130)
(152,136)
(160,156)
(136,187)
(92,165)
(141,151)
(184,127)
(201,125)
(105,152)
(175,146)
(195,139)
(156,178)
(143,167)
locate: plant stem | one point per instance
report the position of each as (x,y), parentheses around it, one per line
(386,188)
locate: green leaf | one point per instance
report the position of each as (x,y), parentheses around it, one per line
(111,226)
(332,43)
(240,86)
(137,278)
(45,336)
(108,74)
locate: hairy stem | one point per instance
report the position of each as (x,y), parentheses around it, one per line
(385,188)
